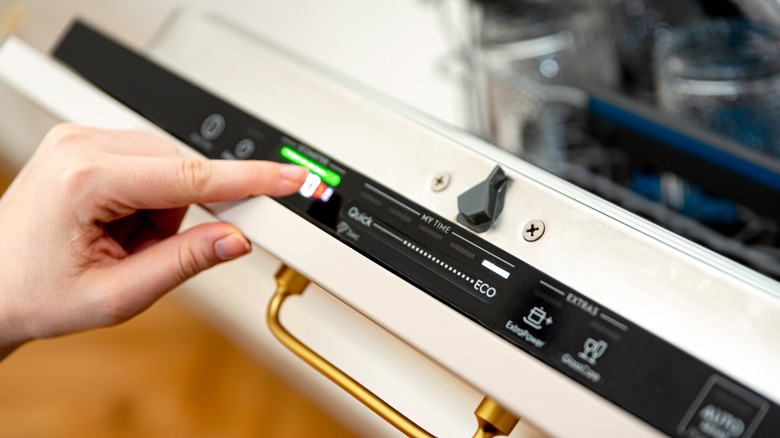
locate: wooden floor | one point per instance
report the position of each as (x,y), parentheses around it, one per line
(164,374)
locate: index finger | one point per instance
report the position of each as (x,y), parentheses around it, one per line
(167,182)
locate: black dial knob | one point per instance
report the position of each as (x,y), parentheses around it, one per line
(481,205)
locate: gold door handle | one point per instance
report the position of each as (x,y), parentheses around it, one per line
(492,418)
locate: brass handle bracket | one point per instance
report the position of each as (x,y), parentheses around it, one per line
(493,419)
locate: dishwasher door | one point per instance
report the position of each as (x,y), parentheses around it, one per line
(570,342)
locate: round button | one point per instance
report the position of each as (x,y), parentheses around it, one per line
(212,127)
(245,148)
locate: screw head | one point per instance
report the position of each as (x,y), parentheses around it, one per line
(440,181)
(533,230)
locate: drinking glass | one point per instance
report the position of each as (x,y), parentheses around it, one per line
(724,76)
(533,58)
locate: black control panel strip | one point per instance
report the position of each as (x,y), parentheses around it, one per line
(624,363)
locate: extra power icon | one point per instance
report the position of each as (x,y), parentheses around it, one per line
(536,317)
(592,350)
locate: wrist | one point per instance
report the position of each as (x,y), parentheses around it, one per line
(10,328)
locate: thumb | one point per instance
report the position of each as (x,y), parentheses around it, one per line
(152,272)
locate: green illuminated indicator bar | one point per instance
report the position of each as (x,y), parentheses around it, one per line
(328,176)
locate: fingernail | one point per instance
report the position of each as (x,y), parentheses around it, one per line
(293,172)
(232,246)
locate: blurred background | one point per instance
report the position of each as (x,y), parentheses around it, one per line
(667,108)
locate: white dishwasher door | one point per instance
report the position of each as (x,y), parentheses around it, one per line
(605,326)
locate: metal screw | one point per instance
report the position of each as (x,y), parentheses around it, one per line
(533,230)
(440,181)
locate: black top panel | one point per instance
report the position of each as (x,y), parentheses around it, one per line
(585,341)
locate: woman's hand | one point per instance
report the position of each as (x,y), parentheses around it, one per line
(89,228)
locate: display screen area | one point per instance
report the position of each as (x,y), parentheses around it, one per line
(561,327)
